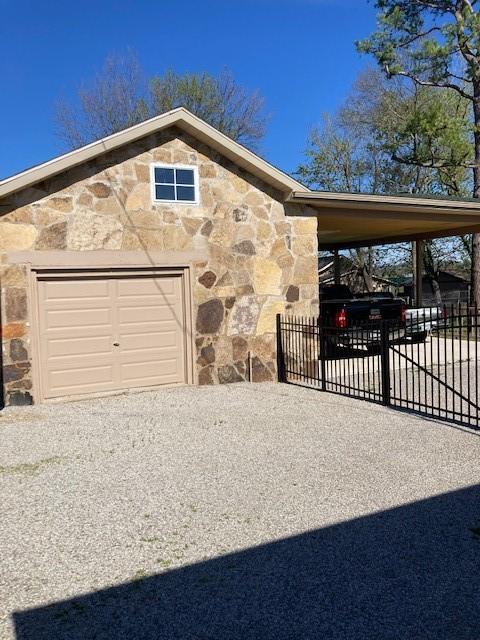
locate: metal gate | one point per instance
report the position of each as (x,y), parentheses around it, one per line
(427,364)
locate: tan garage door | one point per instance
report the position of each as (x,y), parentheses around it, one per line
(100,334)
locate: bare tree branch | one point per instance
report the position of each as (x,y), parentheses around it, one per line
(440,85)
(120,97)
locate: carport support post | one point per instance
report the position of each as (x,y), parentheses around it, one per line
(336,267)
(418,272)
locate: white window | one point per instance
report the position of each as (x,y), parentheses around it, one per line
(174,183)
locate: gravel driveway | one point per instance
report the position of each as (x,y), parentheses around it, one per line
(243,511)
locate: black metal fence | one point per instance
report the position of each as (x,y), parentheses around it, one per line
(427,363)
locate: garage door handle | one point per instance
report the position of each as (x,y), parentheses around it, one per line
(116,344)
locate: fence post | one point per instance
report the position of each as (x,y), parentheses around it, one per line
(385,362)
(280,355)
(322,355)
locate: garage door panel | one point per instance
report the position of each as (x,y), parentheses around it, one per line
(137,356)
(150,341)
(92,379)
(78,318)
(148,373)
(111,333)
(64,290)
(74,364)
(137,287)
(76,305)
(153,313)
(80,333)
(150,327)
(155,302)
(69,346)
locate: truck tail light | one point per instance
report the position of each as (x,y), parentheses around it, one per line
(403,313)
(341,319)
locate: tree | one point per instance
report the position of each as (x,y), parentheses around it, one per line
(338,160)
(416,127)
(115,100)
(436,43)
(366,146)
(220,101)
(121,96)
(374,140)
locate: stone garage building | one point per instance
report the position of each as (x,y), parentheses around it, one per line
(159,255)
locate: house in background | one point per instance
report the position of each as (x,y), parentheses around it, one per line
(350,275)
(454,289)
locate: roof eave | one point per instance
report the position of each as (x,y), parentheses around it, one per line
(381,203)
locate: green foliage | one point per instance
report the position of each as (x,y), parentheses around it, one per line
(431,129)
(428,41)
(435,44)
(421,38)
(389,138)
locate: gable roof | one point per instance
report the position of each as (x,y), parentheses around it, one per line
(180,118)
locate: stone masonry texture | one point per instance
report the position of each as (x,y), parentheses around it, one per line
(259,261)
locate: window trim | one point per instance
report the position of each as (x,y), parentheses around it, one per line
(166,165)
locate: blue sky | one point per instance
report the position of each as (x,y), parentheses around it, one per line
(300,54)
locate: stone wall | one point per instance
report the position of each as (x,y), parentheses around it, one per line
(258,262)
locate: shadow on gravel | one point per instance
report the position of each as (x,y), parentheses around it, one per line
(409,572)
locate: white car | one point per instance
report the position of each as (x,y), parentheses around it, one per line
(420,322)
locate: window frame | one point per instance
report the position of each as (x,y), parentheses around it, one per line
(165,165)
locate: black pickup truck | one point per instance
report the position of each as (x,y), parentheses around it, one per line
(354,321)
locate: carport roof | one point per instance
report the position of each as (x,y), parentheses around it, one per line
(348,220)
